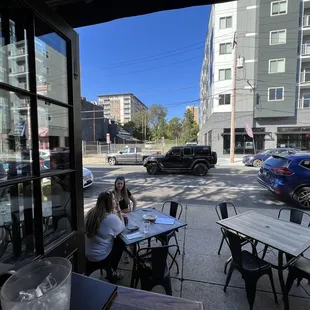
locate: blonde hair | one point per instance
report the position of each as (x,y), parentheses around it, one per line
(95,215)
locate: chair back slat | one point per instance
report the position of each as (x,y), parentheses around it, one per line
(234,243)
(222,210)
(175,208)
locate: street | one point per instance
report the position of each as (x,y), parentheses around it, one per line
(225,183)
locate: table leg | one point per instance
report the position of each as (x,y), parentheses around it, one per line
(134,266)
(281,279)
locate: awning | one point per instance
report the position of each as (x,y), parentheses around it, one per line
(244,133)
(292,132)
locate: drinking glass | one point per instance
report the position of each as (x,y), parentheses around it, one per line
(146,226)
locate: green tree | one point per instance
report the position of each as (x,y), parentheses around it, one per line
(142,130)
(174,128)
(157,120)
(190,128)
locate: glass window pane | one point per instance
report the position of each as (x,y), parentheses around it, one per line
(273,66)
(279,93)
(53,121)
(227,99)
(51,63)
(228,74)
(56,207)
(228,48)
(275,8)
(274,38)
(16,222)
(221,99)
(272,94)
(14,68)
(281,66)
(222,49)
(222,23)
(282,7)
(229,22)
(15,136)
(282,36)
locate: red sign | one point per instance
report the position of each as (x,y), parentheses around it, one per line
(248,130)
(107,136)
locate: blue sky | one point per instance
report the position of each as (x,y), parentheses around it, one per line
(157,57)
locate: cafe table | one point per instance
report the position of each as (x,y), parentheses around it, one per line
(93,294)
(136,218)
(285,237)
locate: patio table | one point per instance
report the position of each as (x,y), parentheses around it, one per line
(136,218)
(286,237)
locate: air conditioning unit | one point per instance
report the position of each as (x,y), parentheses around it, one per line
(240,62)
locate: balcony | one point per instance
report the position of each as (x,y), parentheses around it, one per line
(304,79)
(304,103)
(305,49)
(306,21)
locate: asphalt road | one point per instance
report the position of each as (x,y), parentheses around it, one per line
(226,183)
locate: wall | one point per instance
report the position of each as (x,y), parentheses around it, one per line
(94,125)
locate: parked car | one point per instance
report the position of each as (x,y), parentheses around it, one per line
(150,145)
(197,159)
(88,178)
(259,158)
(128,155)
(288,176)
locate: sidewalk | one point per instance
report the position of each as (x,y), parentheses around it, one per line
(201,275)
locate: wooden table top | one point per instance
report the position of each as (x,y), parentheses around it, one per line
(136,218)
(284,236)
(130,299)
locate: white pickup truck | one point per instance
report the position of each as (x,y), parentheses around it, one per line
(129,156)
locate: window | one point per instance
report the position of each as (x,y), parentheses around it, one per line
(225,48)
(276,94)
(277,65)
(277,37)
(224,99)
(278,7)
(225,22)
(305,163)
(175,152)
(224,74)
(187,151)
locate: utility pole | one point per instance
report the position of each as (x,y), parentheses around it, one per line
(145,128)
(233,104)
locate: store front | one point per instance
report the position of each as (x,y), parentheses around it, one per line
(295,137)
(243,143)
(41,208)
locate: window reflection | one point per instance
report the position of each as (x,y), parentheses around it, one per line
(51,63)
(54,149)
(15,136)
(56,207)
(16,222)
(13,56)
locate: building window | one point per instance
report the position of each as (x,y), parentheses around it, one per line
(276,94)
(224,99)
(225,48)
(277,65)
(224,74)
(277,37)
(278,7)
(225,22)
(304,102)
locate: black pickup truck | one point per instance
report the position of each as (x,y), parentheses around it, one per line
(190,158)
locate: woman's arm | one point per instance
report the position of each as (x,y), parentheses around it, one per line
(134,202)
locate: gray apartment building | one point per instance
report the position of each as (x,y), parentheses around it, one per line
(273,75)
(121,107)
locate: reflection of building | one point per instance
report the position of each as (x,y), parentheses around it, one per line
(121,107)
(273,79)
(194,110)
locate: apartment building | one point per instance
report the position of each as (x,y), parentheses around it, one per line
(51,82)
(194,110)
(121,107)
(272,75)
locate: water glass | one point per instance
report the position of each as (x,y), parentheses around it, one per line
(43,284)
(146,226)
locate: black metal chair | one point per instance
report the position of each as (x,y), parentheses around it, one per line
(223,211)
(93,266)
(175,210)
(251,267)
(299,269)
(152,268)
(295,216)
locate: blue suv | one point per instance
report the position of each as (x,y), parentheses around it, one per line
(259,158)
(288,176)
